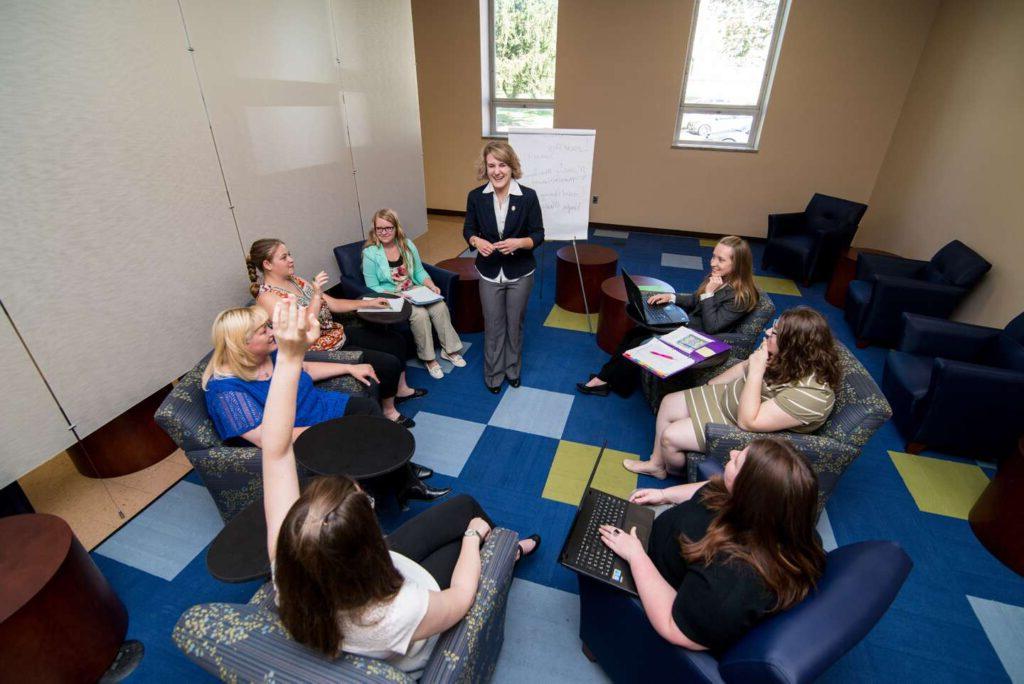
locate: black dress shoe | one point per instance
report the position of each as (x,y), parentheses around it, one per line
(516,382)
(406,422)
(493,390)
(421,491)
(599,391)
(421,472)
(416,394)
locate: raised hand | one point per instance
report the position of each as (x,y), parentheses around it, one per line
(320,280)
(295,328)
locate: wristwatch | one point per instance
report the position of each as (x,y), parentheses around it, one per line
(473,533)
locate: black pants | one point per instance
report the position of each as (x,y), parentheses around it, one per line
(434,537)
(378,338)
(386,366)
(621,374)
(362,406)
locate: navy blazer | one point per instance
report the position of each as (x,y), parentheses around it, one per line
(523,220)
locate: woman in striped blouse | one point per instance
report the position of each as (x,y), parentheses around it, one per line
(789,383)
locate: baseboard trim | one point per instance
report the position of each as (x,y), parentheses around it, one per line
(636,229)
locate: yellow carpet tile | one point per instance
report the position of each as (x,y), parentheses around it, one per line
(940,487)
(571,468)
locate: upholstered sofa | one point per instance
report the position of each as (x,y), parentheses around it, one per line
(860,409)
(743,339)
(247,642)
(231,472)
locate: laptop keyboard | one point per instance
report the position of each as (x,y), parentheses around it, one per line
(656,314)
(594,556)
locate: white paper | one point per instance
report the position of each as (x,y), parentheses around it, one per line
(685,339)
(421,295)
(394,305)
(660,358)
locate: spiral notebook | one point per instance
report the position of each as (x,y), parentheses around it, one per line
(666,355)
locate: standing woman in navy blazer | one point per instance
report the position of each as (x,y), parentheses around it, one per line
(504,225)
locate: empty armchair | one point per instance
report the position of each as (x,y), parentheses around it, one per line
(350,263)
(860,583)
(886,287)
(806,245)
(957,387)
(248,643)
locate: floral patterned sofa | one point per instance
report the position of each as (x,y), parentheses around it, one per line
(231,473)
(247,642)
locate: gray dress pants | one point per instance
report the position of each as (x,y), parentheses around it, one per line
(504,306)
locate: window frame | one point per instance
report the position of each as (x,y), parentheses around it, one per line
(757,111)
(488,61)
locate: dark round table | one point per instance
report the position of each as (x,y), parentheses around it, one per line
(597,264)
(361,447)
(386,317)
(468,314)
(613,323)
(239,551)
(997,518)
(60,621)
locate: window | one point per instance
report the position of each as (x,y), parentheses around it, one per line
(730,62)
(518,59)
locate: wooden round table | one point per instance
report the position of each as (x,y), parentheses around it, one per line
(597,264)
(613,322)
(846,270)
(468,313)
(998,516)
(60,621)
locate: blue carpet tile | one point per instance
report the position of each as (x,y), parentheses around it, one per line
(958,618)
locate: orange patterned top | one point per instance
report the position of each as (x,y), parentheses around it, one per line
(332,333)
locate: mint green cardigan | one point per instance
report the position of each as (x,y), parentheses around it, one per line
(377,273)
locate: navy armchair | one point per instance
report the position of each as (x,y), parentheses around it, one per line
(350,263)
(957,387)
(886,287)
(860,582)
(806,245)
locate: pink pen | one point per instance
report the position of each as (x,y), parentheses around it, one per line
(664,356)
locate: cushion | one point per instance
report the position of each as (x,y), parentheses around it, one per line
(1009,353)
(795,244)
(910,371)
(859,292)
(960,265)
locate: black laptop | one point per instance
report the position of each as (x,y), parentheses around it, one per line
(656,315)
(584,551)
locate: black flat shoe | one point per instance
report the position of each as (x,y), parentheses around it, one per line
(514,382)
(520,554)
(406,422)
(421,472)
(599,391)
(493,390)
(421,491)
(416,394)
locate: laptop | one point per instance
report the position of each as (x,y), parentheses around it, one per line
(654,315)
(584,551)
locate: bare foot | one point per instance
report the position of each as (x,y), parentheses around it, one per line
(645,468)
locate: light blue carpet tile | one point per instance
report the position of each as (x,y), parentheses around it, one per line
(446,366)
(618,234)
(828,537)
(536,411)
(444,443)
(165,537)
(682,261)
(542,638)
(1004,627)
(471,253)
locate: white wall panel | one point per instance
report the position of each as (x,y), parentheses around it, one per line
(270,79)
(30,422)
(378,62)
(118,244)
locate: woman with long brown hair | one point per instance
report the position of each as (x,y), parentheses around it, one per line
(730,551)
(725,296)
(340,585)
(788,383)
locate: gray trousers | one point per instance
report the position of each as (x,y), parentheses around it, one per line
(504,306)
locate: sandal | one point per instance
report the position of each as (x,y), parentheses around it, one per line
(416,394)
(520,554)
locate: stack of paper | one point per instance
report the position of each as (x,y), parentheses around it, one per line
(394,305)
(421,295)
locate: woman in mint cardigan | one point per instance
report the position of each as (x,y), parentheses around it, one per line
(391,263)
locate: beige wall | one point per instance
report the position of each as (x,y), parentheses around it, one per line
(843,74)
(954,167)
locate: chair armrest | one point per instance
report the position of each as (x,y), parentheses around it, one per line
(896,294)
(355,288)
(869,265)
(780,225)
(334,356)
(929,336)
(468,651)
(443,278)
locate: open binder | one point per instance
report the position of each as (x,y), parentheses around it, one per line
(665,355)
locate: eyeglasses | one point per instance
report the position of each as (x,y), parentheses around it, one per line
(383,229)
(373,502)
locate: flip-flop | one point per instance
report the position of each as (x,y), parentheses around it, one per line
(416,394)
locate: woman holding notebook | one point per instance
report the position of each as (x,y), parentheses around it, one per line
(391,263)
(788,383)
(725,296)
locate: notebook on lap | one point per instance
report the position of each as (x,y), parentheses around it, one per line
(652,314)
(584,551)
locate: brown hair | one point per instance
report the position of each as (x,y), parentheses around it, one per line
(331,558)
(766,521)
(741,280)
(391,217)
(260,251)
(503,152)
(806,347)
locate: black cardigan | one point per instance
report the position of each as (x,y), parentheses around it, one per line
(524,220)
(718,313)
